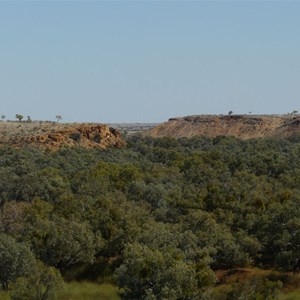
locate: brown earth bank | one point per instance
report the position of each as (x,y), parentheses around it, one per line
(53,136)
(240,126)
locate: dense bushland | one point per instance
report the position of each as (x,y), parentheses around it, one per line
(164,214)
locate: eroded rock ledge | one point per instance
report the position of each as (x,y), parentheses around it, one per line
(240,126)
(53,136)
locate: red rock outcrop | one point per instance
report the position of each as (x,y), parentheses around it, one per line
(240,126)
(54,136)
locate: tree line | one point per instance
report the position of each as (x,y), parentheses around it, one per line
(20,118)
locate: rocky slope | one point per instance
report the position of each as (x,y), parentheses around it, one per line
(53,136)
(240,126)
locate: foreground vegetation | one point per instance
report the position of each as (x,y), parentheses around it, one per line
(158,219)
(89,291)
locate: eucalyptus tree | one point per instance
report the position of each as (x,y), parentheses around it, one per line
(58,118)
(16,260)
(19,117)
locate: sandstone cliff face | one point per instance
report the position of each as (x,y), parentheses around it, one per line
(240,126)
(53,136)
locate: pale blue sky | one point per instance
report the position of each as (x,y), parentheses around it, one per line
(130,61)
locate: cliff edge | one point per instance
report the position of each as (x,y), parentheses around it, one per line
(53,136)
(240,126)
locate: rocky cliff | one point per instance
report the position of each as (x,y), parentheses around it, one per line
(53,136)
(240,126)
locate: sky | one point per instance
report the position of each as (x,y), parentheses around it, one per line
(147,61)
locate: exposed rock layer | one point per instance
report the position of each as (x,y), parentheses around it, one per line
(240,126)
(54,136)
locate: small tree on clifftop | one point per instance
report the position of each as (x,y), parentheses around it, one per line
(58,118)
(19,117)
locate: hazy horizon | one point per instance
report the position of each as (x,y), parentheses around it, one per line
(145,62)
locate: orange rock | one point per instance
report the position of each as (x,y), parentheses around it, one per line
(56,136)
(240,126)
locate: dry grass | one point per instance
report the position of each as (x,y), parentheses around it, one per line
(295,295)
(291,282)
(89,291)
(4,295)
(82,291)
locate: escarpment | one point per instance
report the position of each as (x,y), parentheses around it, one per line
(53,136)
(240,126)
